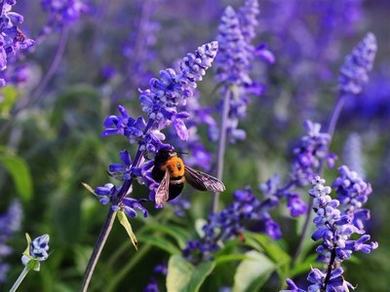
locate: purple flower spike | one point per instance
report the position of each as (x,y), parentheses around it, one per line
(171,90)
(232,60)
(357,65)
(62,12)
(248,19)
(334,229)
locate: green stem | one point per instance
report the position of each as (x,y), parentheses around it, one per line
(222,144)
(101,241)
(20,279)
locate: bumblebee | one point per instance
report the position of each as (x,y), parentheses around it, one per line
(171,172)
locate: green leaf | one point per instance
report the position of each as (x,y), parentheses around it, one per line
(185,277)
(273,251)
(160,242)
(305,266)
(20,173)
(253,272)
(177,233)
(270,247)
(81,256)
(127,226)
(8,97)
(230,258)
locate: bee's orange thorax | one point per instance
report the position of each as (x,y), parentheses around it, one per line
(175,166)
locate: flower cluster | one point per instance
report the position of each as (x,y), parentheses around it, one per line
(231,222)
(162,102)
(357,65)
(335,227)
(12,39)
(62,12)
(352,192)
(233,65)
(233,58)
(310,153)
(171,90)
(248,19)
(10,222)
(180,206)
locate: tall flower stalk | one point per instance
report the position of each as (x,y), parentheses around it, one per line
(232,72)
(353,76)
(161,103)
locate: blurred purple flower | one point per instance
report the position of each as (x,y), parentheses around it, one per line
(62,13)
(10,222)
(233,59)
(180,206)
(357,65)
(158,271)
(139,48)
(310,153)
(248,19)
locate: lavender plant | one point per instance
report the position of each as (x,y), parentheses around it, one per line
(232,72)
(336,223)
(353,76)
(160,102)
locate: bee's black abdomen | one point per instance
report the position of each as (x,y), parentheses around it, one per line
(175,190)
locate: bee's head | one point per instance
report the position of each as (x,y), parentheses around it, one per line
(164,154)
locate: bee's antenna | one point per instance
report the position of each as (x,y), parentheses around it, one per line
(182,152)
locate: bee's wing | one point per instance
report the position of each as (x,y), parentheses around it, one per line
(162,193)
(203,181)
